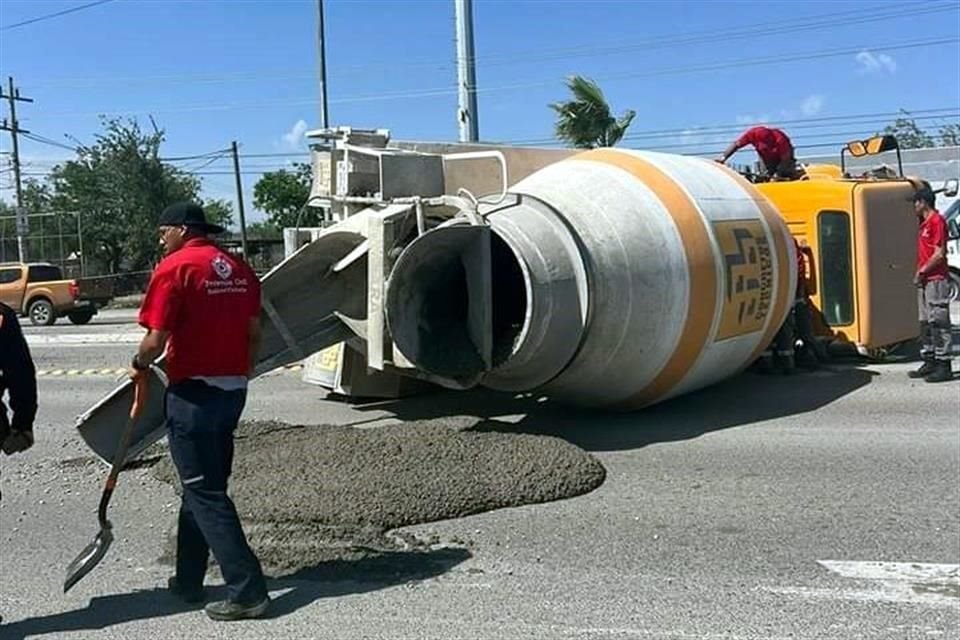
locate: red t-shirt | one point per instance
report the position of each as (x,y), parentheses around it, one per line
(205,298)
(933,234)
(772,145)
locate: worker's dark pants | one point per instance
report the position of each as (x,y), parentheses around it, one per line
(933,300)
(200,423)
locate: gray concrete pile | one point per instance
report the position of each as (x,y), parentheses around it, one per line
(312,494)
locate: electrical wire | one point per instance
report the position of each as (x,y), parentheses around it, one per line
(54,15)
(451,91)
(752,31)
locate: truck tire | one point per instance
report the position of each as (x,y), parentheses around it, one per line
(80,317)
(41,312)
(954,281)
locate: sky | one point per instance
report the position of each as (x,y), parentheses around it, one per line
(696,73)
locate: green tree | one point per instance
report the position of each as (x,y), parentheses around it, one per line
(950,135)
(219,211)
(908,133)
(586,121)
(282,194)
(119,186)
(264,230)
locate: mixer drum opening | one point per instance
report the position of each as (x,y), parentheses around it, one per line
(457,302)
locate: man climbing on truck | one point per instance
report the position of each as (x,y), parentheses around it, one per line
(774,148)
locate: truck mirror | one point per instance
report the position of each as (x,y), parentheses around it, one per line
(856,148)
(879,144)
(950,187)
(953,230)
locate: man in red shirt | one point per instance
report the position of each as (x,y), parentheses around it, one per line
(933,288)
(774,148)
(203,306)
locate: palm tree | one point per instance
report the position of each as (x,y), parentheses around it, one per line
(585,122)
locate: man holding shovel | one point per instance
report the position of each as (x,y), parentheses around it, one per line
(203,306)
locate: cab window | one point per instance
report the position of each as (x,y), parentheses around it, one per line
(9,275)
(836,269)
(44,273)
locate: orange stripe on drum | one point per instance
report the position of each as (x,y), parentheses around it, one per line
(702,273)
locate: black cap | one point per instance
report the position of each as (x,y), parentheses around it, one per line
(924,192)
(187,214)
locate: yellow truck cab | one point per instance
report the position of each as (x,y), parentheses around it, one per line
(861,231)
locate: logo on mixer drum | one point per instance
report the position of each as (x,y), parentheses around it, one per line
(748,283)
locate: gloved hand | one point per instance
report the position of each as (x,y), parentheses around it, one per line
(17,441)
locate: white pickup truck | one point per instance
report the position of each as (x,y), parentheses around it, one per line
(952,215)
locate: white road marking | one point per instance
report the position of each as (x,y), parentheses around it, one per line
(948,574)
(921,583)
(73,339)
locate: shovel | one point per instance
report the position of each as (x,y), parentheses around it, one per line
(93,553)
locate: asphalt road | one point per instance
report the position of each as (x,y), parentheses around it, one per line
(822,506)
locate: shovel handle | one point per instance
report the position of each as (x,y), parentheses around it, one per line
(139,396)
(140,386)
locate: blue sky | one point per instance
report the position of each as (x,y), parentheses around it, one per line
(212,71)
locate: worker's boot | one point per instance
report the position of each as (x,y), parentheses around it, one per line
(925,369)
(226,610)
(942,372)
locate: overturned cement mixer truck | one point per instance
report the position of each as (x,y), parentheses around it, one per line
(607,278)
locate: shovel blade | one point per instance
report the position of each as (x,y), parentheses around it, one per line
(89,558)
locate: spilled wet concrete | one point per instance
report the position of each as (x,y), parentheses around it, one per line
(309,495)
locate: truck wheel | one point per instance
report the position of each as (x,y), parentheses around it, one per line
(953,293)
(80,317)
(41,313)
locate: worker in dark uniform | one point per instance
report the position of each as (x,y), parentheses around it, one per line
(18,380)
(203,307)
(774,148)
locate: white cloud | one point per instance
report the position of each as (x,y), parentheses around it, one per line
(875,63)
(294,138)
(750,119)
(811,105)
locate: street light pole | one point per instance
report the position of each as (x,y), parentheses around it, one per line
(466,73)
(324,113)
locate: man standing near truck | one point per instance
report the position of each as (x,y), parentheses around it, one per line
(203,306)
(933,289)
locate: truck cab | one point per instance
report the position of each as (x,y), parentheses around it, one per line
(861,231)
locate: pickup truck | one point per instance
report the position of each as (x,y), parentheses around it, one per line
(38,290)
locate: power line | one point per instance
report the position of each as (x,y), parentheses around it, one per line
(752,31)
(804,123)
(210,157)
(737,33)
(54,15)
(444,91)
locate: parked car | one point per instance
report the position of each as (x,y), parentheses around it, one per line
(39,291)
(952,215)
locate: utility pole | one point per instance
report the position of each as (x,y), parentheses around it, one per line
(13,96)
(243,220)
(324,113)
(466,73)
